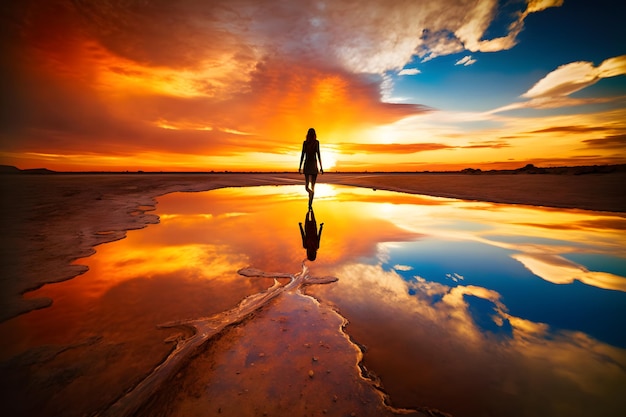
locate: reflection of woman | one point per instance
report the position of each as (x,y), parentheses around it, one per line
(310,155)
(310,237)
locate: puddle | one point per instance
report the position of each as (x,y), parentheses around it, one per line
(467,307)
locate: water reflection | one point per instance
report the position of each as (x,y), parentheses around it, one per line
(310,236)
(472,308)
(489,311)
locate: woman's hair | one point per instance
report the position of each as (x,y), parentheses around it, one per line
(311,134)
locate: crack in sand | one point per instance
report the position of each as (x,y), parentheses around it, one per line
(204,329)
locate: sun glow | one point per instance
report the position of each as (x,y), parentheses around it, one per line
(329,159)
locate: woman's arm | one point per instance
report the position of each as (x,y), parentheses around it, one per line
(301,158)
(303,236)
(319,157)
(319,236)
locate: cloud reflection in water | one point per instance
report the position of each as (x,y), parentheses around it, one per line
(467,319)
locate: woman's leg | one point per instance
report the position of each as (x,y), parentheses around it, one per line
(313,180)
(307,179)
(312,190)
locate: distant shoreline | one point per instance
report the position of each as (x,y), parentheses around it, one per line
(528,169)
(597,188)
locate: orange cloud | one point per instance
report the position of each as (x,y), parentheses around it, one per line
(610,142)
(571,129)
(122,83)
(404,148)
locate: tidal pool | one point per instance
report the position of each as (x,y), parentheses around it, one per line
(467,307)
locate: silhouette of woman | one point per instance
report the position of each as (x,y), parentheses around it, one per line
(310,237)
(310,155)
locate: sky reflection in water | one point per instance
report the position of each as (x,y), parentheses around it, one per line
(480,308)
(472,308)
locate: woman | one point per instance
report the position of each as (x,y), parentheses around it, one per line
(310,155)
(310,236)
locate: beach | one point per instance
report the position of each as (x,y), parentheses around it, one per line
(50,221)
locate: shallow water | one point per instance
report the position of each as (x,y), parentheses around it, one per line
(486,309)
(467,307)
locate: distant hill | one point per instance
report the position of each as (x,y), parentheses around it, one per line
(565,170)
(8,169)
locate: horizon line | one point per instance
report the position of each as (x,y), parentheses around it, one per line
(9,169)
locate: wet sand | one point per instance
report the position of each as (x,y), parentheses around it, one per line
(49,221)
(600,192)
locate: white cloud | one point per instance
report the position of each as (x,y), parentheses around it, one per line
(365,36)
(455,277)
(476,22)
(565,80)
(471,33)
(553,90)
(370,36)
(439,44)
(465,61)
(559,270)
(409,71)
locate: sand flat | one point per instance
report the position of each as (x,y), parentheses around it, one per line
(601,192)
(52,220)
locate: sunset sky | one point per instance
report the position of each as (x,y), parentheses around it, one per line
(400,85)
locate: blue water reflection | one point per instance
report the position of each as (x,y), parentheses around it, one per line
(485,309)
(575,307)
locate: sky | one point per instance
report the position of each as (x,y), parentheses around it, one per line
(234,85)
